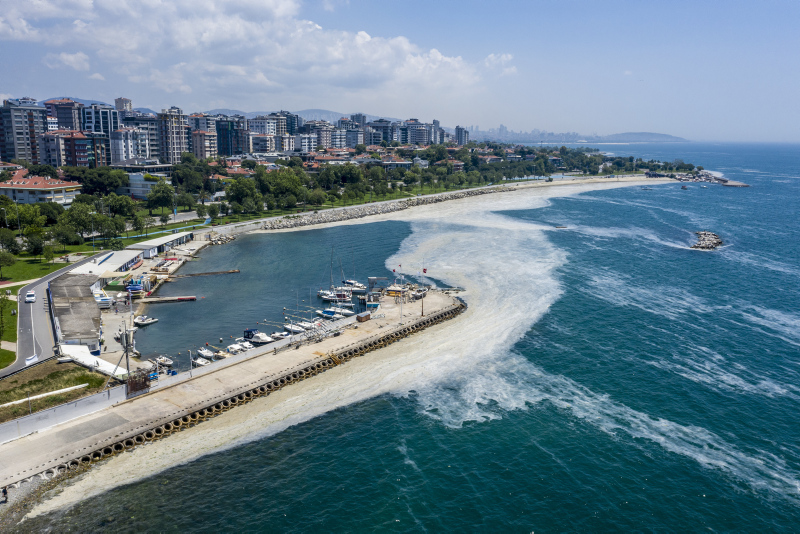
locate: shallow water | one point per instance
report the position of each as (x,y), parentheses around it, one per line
(604,377)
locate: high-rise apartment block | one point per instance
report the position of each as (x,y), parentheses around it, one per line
(22,123)
(129,143)
(172,129)
(462,136)
(123,104)
(67,112)
(204,144)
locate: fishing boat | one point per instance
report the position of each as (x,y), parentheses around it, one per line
(235,348)
(684,187)
(294,329)
(144,320)
(256,338)
(205,353)
(201,361)
(341,311)
(164,361)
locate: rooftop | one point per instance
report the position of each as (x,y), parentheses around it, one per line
(75,307)
(157,242)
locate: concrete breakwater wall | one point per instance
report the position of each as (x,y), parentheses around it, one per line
(107,446)
(365,210)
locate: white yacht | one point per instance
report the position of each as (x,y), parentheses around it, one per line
(205,353)
(201,361)
(294,329)
(164,361)
(329,314)
(341,311)
(279,335)
(246,345)
(256,338)
(235,348)
(354,286)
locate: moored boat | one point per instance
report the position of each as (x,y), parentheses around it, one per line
(205,353)
(256,338)
(164,361)
(294,329)
(341,311)
(144,320)
(200,361)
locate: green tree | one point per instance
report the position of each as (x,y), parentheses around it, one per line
(241,189)
(64,234)
(34,245)
(360,149)
(149,222)
(161,195)
(79,216)
(249,206)
(200,210)
(213,210)
(185,199)
(6,260)
(139,224)
(164,219)
(51,211)
(8,240)
(120,205)
(48,253)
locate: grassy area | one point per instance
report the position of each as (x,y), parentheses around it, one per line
(10,321)
(7,357)
(29,269)
(49,376)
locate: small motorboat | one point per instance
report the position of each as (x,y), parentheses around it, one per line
(342,293)
(341,311)
(294,329)
(354,286)
(164,361)
(201,361)
(221,355)
(205,353)
(280,335)
(144,320)
(257,338)
(684,187)
(308,326)
(235,348)
(325,314)
(246,345)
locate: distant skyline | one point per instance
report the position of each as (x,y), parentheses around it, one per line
(722,71)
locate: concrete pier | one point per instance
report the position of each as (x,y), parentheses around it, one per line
(212,391)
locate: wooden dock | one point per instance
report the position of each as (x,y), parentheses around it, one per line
(175,276)
(153,300)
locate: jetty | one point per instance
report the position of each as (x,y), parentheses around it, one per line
(153,300)
(50,445)
(176,276)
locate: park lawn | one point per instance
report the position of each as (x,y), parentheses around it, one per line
(10,320)
(29,269)
(7,357)
(43,378)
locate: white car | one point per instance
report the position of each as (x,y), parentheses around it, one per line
(30,296)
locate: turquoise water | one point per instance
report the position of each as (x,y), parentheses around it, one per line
(613,379)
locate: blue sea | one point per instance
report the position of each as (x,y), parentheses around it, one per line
(605,377)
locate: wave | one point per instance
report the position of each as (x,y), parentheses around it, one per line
(783,325)
(755,260)
(618,289)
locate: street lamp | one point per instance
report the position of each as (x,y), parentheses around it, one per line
(92,214)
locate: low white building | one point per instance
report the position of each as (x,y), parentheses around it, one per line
(139,187)
(29,190)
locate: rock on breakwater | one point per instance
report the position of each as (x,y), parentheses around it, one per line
(707,241)
(357,212)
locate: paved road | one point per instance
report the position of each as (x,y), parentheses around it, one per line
(34,328)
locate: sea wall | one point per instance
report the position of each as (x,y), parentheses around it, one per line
(110,445)
(365,210)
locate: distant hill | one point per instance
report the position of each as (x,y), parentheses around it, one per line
(638,137)
(145,110)
(79,100)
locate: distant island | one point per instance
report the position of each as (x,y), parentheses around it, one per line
(634,137)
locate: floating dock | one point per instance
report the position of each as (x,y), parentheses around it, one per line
(176,276)
(153,300)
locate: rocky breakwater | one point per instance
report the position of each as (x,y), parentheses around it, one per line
(357,212)
(707,241)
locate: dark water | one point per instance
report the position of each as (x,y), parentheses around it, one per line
(658,390)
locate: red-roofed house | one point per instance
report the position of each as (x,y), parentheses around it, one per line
(31,189)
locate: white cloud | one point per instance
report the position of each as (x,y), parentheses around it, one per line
(500,62)
(5,96)
(628,73)
(97,76)
(77,61)
(242,51)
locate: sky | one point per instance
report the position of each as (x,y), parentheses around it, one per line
(702,70)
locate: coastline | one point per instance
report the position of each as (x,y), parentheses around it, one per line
(237,430)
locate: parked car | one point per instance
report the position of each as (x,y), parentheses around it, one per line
(30,296)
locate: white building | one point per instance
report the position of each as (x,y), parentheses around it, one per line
(305,142)
(200,121)
(287,142)
(32,189)
(264,125)
(52,124)
(128,143)
(138,186)
(339,138)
